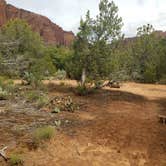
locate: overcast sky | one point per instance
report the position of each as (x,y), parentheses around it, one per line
(67,13)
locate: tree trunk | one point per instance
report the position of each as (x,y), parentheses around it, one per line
(83,77)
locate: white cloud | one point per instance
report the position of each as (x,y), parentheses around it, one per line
(67,13)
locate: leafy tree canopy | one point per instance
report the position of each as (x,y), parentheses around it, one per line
(92,52)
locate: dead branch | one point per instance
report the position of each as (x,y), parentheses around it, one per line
(111,84)
(3,153)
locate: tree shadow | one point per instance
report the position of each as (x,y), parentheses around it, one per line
(61,88)
(162,104)
(124,96)
(99,94)
(107,95)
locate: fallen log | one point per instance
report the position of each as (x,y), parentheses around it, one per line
(3,153)
(112,84)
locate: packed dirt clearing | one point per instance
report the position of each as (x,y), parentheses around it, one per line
(113,127)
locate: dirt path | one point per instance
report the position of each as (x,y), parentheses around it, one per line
(114,128)
(117,128)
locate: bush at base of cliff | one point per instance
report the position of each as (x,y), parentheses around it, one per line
(149,75)
(23,51)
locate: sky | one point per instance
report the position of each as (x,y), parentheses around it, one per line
(67,13)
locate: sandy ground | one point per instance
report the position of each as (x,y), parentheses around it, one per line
(115,127)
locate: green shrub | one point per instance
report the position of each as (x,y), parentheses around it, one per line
(6,83)
(98,84)
(7,88)
(60,75)
(150,75)
(121,75)
(136,76)
(81,90)
(3,94)
(15,160)
(162,80)
(32,96)
(31,79)
(42,134)
(42,100)
(37,97)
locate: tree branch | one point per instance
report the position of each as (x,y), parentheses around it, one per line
(3,153)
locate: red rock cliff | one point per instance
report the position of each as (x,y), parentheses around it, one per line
(51,33)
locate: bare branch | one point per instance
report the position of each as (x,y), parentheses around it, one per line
(3,153)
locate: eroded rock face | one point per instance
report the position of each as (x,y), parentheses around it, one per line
(2,12)
(51,33)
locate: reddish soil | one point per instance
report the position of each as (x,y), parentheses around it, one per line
(112,128)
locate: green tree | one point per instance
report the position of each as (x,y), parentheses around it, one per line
(22,50)
(121,61)
(161,61)
(92,55)
(20,33)
(145,52)
(59,56)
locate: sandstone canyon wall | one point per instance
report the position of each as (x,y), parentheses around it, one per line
(51,33)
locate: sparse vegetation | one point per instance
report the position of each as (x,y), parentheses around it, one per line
(31,79)
(37,97)
(3,94)
(60,75)
(56,110)
(46,102)
(7,88)
(16,160)
(42,134)
(32,96)
(81,90)
(42,101)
